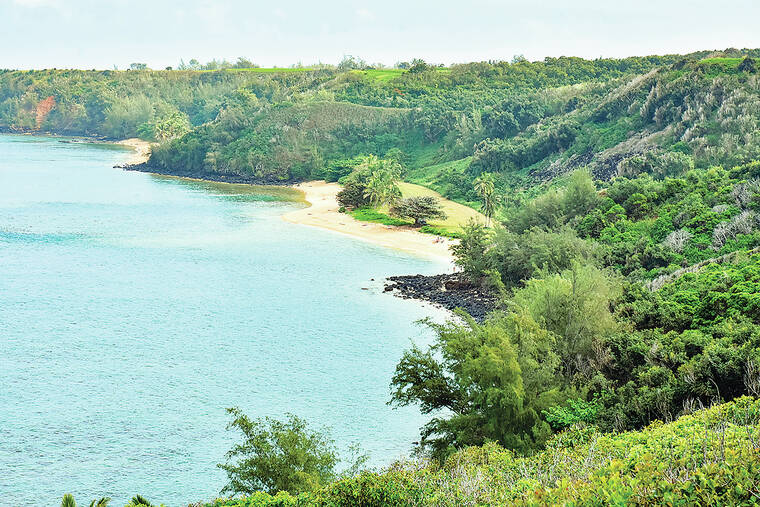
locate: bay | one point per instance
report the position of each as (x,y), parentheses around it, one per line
(135,308)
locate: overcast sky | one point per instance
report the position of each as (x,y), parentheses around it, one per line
(103,33)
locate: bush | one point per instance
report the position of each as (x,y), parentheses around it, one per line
(353,196)
(278,456)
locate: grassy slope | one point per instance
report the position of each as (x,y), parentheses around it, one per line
(457,214)
(433,176)
(384,75)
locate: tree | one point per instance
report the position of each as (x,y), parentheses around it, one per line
(748,65)
(350,62)
(125,114)
(138,66)
(485,382)
(139,501)
(418,208)
(352,196)
(471,253)
(418,65)
(518,257)
(574,306)
(244,63)
(170,126)
(485,187)
(277,456)
(380,187)
(580,194)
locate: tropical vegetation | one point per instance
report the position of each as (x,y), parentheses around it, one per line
(621,237)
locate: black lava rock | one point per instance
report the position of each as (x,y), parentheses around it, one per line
(450,291)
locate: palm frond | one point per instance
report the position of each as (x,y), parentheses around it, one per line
(141,500)
(68,501)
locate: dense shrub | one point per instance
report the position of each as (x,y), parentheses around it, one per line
(353,196)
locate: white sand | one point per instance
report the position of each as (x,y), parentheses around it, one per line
(323,213)
(142,150)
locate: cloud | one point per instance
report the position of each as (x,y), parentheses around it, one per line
(36,3)
(214,15)
(365,14)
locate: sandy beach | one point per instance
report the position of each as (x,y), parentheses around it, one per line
(142,150)
(323,213)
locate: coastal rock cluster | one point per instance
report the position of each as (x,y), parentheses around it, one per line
(146,167)
(451,291)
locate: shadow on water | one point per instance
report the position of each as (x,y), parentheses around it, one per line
(237,192)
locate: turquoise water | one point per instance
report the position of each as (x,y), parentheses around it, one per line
(135,308)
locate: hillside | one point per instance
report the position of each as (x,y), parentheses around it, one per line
(286,124)
(527,122)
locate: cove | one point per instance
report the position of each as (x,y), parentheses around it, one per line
(135,308)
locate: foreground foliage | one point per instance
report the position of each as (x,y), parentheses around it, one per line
(710,457)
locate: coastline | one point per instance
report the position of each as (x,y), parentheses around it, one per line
(141,150)
(323,213)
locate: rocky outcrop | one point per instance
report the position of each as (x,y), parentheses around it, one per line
(450,291)
(203,175)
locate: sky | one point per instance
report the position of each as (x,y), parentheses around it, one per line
(102,34)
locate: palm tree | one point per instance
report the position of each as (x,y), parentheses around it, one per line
(68,501)
(485,186)
(140,500)
(489,207)
(381,185)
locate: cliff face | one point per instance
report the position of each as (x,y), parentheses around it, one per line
(43,110)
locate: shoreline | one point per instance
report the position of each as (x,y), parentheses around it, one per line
(141,150)
(323,213)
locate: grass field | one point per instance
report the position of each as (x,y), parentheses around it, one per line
(457,214)
(717,66)
(377,217)
(434,177)
(384,75)
(427,175)
(722,61)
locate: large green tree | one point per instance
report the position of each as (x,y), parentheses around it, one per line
(575,306)
(418,208)
(381,187)
(483,382)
